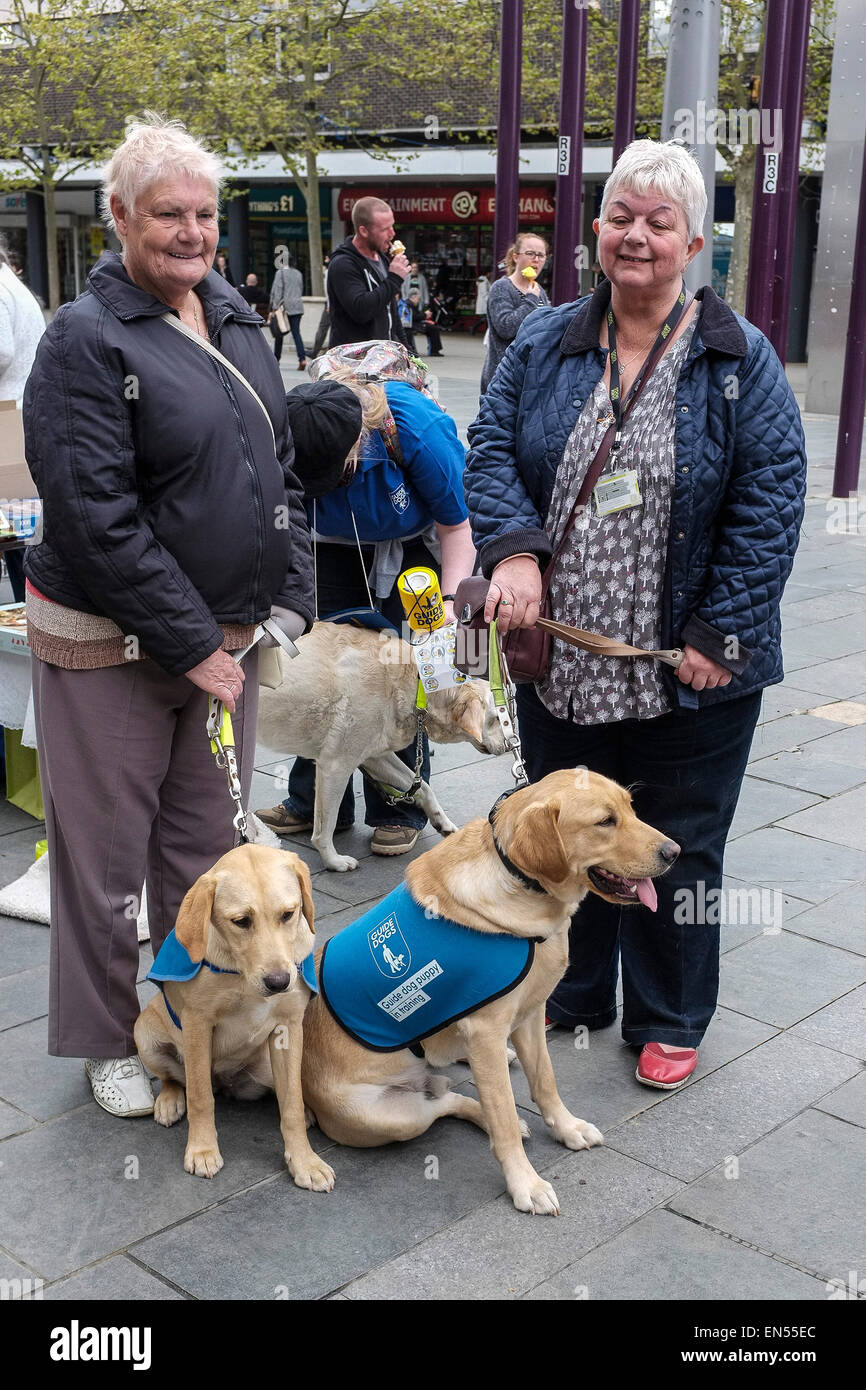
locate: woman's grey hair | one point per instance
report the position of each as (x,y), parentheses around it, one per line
(154,149)
(661,167)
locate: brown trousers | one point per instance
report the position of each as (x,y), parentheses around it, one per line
(132,795)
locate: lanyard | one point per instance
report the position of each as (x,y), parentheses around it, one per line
(619,409)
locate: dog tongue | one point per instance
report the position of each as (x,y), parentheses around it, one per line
(647,893)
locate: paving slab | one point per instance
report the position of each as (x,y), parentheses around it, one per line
(783,978)
(13,818)
(13,1120)
(310,1244)
(22,945)
(23,997)
(840,679)
(702,1124)
(829,640)
(825,608)
(777,1184)
(664,1251)
(779,701)
(500,1253)
(837,920)
(792,731)
(40,1085)
(846,746)
(78,1164)
(763,803)
(16,851)
(841,820)
(595,1071)
(841,1025)
(117,1279)
(22,1280)
(809,770)
(848,1102)
(808,868)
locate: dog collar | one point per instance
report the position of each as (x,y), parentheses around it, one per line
(531,883)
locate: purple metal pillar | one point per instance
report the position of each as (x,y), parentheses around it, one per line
(765,203)
(505,213)
(569,162)
(850,437)
(792,116)
(626,75)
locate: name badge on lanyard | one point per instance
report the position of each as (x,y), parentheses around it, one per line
(617,492)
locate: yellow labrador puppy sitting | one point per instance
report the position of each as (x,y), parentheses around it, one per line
(235,975)
(497,899)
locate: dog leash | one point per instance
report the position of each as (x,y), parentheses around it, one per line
(503,692)
(221,732)
(600,645)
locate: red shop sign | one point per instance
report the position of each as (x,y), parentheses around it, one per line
(454,204)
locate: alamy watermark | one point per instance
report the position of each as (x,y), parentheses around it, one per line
(738,126)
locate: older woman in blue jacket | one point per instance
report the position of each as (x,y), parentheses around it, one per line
(714,469)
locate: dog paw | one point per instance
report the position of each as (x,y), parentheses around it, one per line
(314,1173)
(535,1196)
(580,1135)
(510,1055)
(445,826)
(525,1131)
(204,1163)
(339,863)
(169,1107)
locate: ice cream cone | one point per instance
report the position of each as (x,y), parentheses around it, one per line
(529,273)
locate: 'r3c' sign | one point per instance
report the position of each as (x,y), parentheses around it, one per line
(771,171)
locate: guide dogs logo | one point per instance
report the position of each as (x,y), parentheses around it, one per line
(400,499)
(389,949)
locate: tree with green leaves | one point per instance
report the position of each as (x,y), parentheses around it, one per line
(69,72)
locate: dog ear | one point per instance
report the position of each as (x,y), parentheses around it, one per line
(297,865)
(536,846)
(194,916)
(468,714)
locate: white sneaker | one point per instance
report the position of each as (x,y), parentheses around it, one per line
(120,1085)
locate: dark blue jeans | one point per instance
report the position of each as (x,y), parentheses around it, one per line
(341,585)
(295,330)
(685,770)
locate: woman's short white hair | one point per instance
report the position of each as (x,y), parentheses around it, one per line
(662,167)
(154,149)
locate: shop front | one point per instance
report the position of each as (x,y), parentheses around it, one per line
(278,217)
(449,231)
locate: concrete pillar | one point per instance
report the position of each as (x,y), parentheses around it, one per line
(692,86)
(834,263)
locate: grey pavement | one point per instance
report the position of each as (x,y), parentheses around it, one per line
(745,1184)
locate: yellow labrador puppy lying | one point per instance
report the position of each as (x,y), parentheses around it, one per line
(348,700)
(236,975)
(496,899)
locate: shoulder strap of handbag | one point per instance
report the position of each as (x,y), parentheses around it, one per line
(229,366)
(594,470)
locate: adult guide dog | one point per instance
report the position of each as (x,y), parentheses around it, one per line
(349,700)
(235,977)
(520,874)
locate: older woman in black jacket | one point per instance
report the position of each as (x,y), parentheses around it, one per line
(157,433)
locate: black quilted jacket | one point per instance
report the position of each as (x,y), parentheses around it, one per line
(166,507)
(739,488)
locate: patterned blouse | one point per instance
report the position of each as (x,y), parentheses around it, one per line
(609,578)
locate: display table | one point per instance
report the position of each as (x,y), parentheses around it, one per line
(16,717)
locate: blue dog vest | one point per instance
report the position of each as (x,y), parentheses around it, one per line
(173,962)
(398,974)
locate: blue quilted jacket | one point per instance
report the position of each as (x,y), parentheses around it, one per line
(738,494)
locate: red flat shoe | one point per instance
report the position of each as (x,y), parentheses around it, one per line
(666,1070)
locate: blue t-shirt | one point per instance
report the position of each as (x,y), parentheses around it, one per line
(390,501)
(397,975)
